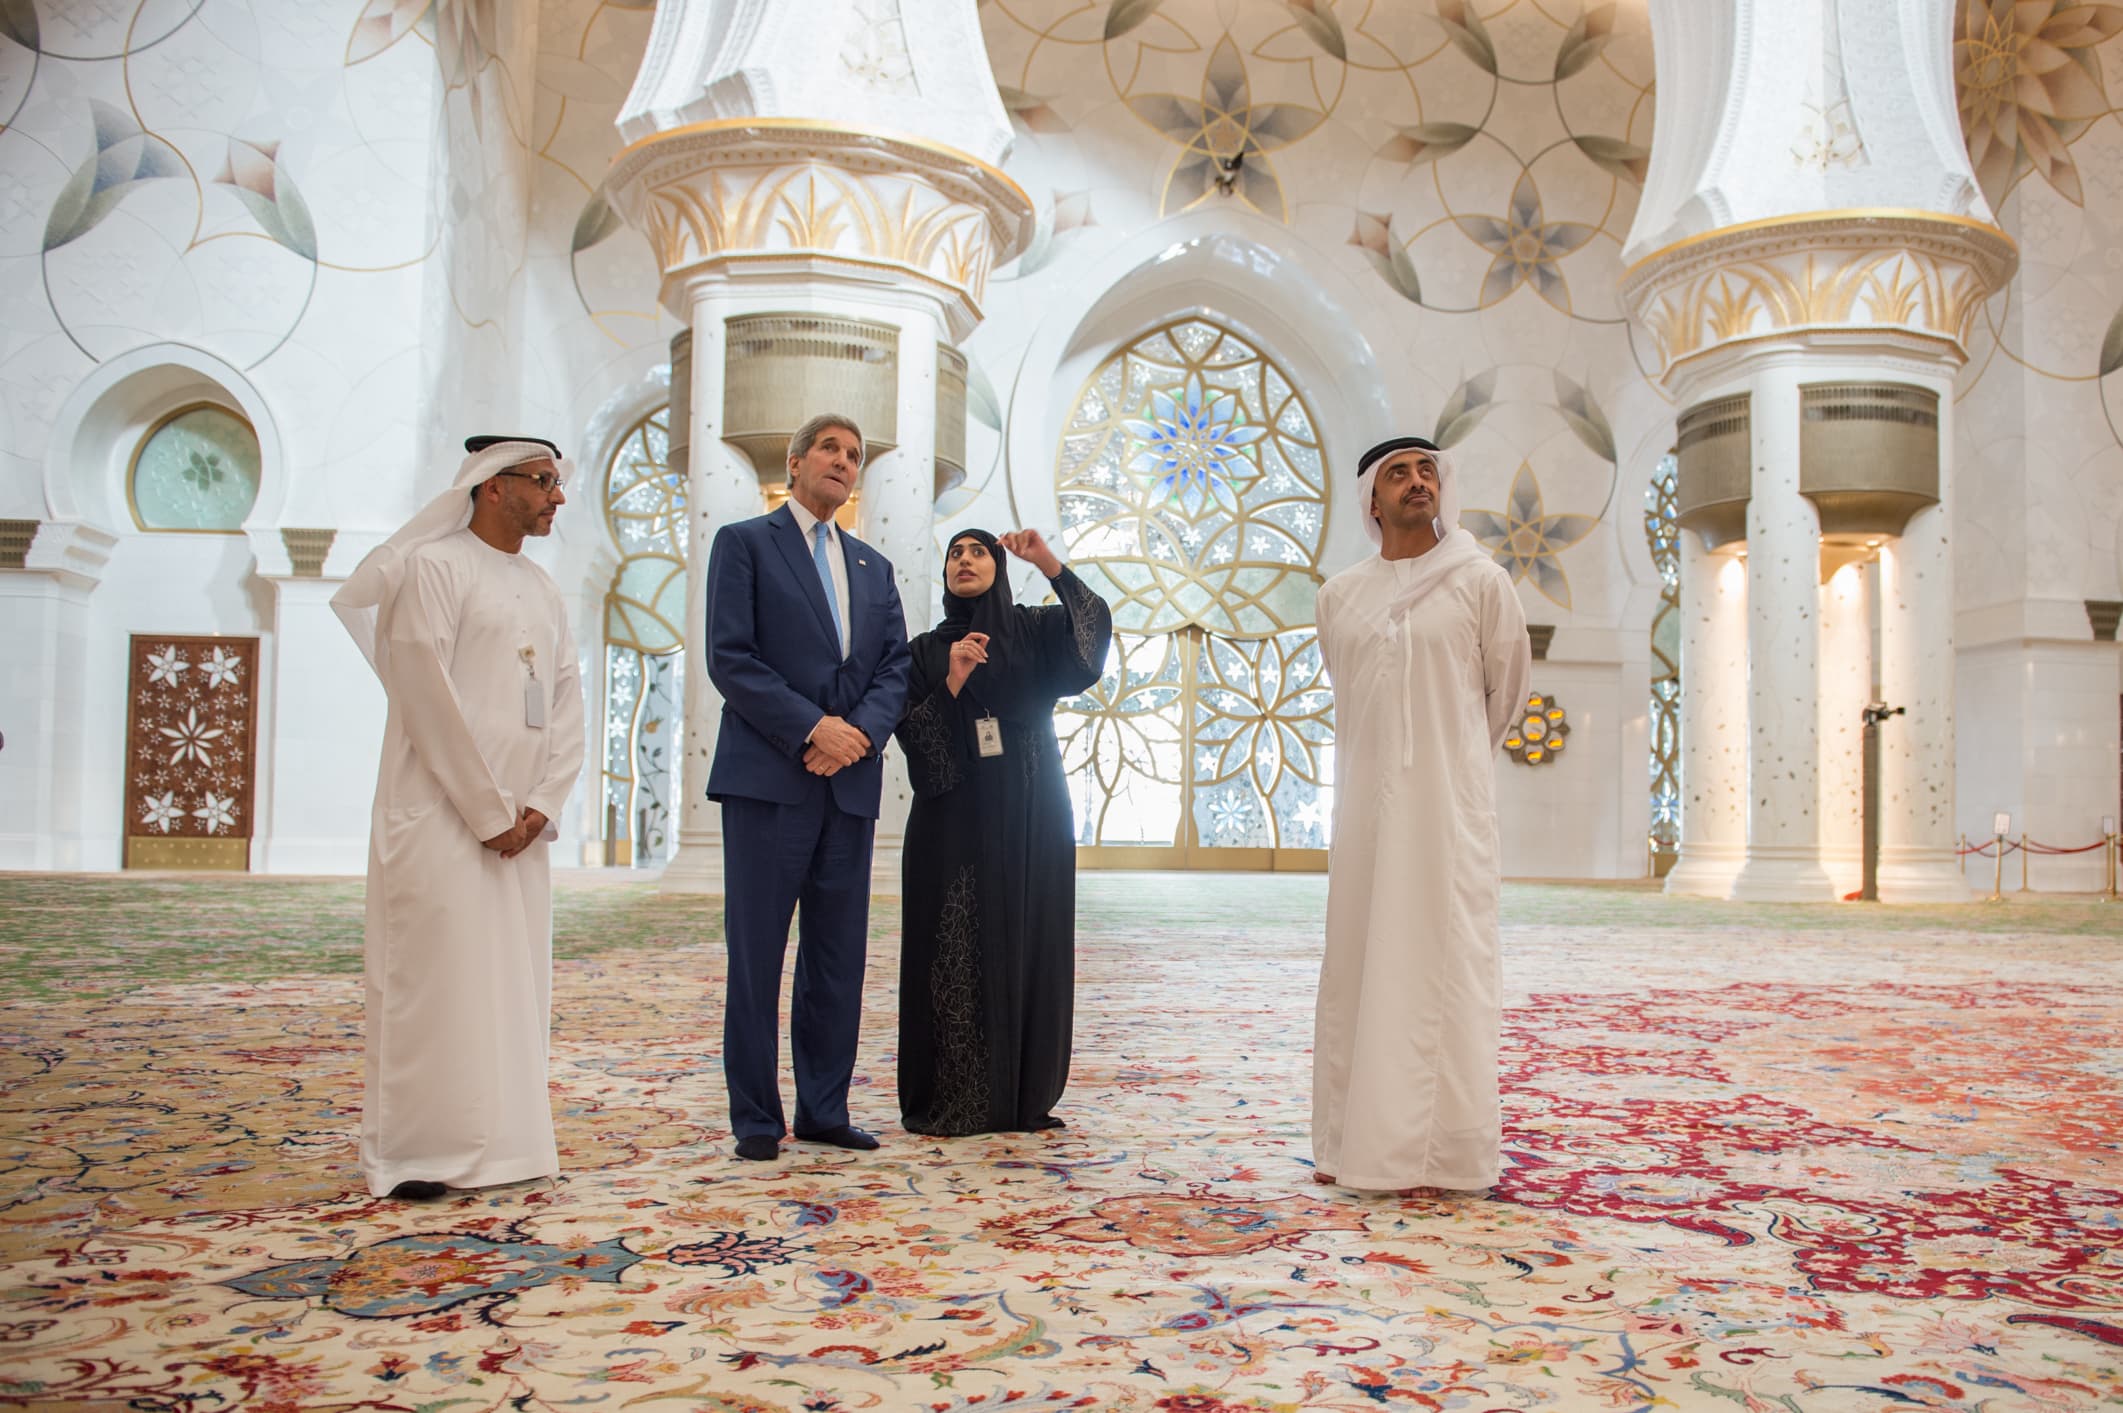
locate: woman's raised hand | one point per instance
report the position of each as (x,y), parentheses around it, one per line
(1031,547)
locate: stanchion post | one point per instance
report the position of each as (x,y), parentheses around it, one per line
(1961,849)
(2023,861)
(2115,846)
(2000,826)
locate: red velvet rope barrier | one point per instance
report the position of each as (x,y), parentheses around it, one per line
(2033,846)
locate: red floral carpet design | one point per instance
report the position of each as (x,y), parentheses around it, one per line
(1869,1162)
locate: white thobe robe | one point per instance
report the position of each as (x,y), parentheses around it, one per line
(1404,1079)
(459,952)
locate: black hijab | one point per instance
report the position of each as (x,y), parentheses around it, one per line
(1008,683)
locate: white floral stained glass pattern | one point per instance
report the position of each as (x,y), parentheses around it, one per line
(656,751)
(645,512)
(1662,531)
(216,814)
(161,811)
(644,497)
(1192,488)
(165,665)
(192,738)
(221,666)
(189,766)
(1263,749)
(1124,744)
(197,470)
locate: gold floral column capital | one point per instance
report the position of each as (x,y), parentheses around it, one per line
(768,197)
(1897,276)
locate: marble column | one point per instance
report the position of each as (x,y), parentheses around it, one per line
(1713,721)
(1783,653)
(323,735)
(1846,686)
(1754,264)
(782,170)
(44,619)
(898,516)
(1917,749)
(721,487)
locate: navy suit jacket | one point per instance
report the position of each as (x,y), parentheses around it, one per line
(775,658)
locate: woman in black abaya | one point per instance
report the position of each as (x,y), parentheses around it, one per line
(987,971)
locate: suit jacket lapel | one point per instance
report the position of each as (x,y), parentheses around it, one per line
(789,537)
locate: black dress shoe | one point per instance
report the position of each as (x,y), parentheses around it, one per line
(843,1136)
(416,1190)
(757,1148)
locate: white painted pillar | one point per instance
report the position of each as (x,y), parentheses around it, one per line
(1713,721)
(898,516)
(44,620)
(1846,686)
(323,733)
(1917,750)
(721,487)
(1783,640)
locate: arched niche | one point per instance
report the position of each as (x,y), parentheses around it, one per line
(1247,273)
(113,409)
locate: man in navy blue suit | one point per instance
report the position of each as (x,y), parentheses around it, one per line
(808,645)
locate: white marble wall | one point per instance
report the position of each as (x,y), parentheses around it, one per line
(2038,525)
(1565,817)
(2038,741)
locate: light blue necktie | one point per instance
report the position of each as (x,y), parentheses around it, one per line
(825,577)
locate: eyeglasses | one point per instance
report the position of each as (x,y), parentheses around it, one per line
(544,480)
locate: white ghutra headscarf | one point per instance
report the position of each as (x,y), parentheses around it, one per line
(1455,547)
(365,600)
(1422,576)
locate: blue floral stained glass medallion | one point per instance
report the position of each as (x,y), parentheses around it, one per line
(197,470)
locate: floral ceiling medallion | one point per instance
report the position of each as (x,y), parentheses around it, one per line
(1538,734)
(1225,136)
(1526,540)
(1526,247)
(2029,85)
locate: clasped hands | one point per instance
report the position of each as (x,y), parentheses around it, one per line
(835,745)
(519,836)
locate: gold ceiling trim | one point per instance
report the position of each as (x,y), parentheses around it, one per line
(629,159)
(1807,221)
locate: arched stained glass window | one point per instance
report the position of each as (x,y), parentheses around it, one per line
(1192,486)
(645,511)
(1662,531)
(1193,496)
(197,469)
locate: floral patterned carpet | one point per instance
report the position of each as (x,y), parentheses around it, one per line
(1768,1158)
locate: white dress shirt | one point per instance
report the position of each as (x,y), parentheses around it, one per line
(836,559)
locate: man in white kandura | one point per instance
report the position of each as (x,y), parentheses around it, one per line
(481,747)
(1426,647)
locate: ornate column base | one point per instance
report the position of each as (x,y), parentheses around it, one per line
(1924,876)
(885,869)
(696,867)
(1783,875)
(1705,870)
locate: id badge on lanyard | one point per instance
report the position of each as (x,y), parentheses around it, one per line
(533,690)
(988,736)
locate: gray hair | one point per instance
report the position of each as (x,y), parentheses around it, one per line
(809,433)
